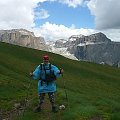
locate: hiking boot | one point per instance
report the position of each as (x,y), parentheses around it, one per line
(54,109)
(37,109)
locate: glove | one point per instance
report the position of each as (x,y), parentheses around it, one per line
(61,71)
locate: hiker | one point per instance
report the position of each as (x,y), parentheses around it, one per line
(47,74)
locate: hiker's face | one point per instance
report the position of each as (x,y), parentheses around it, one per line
(45,61)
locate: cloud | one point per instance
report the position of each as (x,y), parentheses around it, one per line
(71,3)
(54,32)
(19,14)
(106,13)
(16,14)
(42,14)
(113,34)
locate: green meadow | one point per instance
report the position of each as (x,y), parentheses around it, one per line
(93,90)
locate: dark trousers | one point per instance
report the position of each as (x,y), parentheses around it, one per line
(51,98)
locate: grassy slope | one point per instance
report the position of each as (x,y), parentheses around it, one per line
(93,90)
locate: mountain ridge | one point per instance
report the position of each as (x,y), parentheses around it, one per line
(93,48)
(24,38)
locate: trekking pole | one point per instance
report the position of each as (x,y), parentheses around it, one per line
(64,85)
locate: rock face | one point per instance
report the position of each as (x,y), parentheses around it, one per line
(96,48)
(60,43)
(24,38)
(99,53)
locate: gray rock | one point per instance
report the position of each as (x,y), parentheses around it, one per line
(96,48)
(24,38)
(60,43)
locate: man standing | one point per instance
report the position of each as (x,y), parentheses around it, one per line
(47,74)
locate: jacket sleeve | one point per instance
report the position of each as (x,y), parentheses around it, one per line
(36,73)
(56,71)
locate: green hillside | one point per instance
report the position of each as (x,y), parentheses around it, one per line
(93,90)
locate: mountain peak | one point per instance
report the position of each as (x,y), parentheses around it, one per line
(24,38)
(98,37)
(74,37)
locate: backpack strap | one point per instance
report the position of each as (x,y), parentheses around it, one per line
(44,68)
(41,66)
(50,68)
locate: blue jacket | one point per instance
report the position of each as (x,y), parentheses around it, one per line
(38,73)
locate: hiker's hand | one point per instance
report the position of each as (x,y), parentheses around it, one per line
(31,74)
(61,71)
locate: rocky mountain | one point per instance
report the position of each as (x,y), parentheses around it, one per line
(93,48)
(96,48)
(24,38)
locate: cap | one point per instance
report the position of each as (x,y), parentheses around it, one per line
(45,57)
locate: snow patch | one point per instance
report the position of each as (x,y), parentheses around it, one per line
(89,43)
(63,52)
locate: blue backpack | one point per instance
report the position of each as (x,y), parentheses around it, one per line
(49,77)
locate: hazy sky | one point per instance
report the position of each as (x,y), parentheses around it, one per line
(54,19)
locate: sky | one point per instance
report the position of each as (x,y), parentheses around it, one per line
(59,19)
